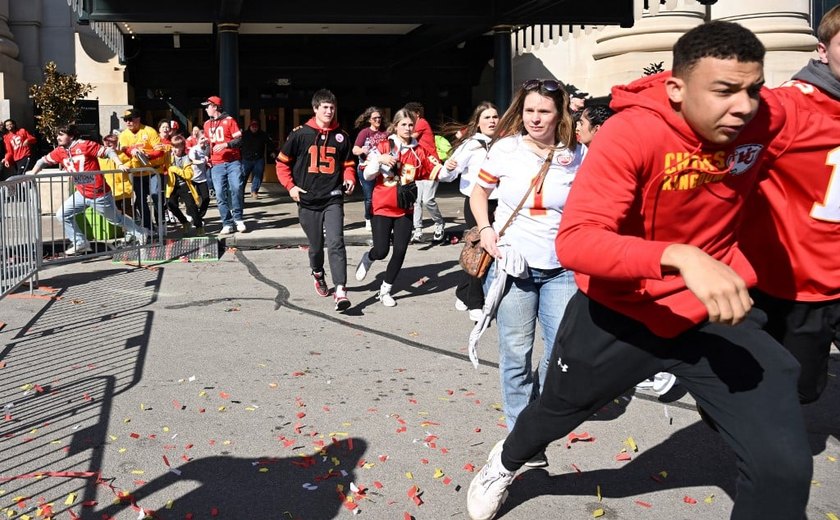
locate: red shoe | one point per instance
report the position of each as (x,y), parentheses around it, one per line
(320,284)
(340,297)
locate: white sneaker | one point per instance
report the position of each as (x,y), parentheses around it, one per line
(340,298)
(240,226)
(417,236)
(77,249)
(438,236)
(459,305)
(663,382)
(476,314)
(363,267)
(385,295)
(368,226)
(488,490)
(226,230)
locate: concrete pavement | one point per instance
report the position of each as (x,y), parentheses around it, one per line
(231,390)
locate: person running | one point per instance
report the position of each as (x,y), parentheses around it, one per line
(426,188)
(225,138)
(315,166)
(368,138)
(471,144)
(398,161)
(77,155)
(650,231)
(797,257)
(19,143)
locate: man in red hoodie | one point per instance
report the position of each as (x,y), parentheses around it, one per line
(316,167)
(649,228)
(19,144)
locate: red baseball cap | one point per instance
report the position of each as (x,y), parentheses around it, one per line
(214,100)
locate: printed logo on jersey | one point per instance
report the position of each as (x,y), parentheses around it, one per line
(743,158)
(565,157)
(339,138)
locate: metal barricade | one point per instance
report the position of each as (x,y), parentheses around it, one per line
(20,234)
(44,220)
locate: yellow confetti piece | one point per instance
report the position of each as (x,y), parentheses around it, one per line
(663,474)
(53,442)
(368,465)
(409,475)
(709,499)
(338,434)
(70,500)
(227,442)
(598,512)
(33,431)
(26,387)
(631,443)
(142,406)
(127,420)
(598,492)
(496,406)
(832,459)
(346,424)
(263,470)
(202,394)
(122,450)
(250,408)
(25,517)
(816,483)
(438,473)
(113,437)
(166,429)
(221,408)
(137,472)
(831,516)
(272,385)
(335,461)
(168,504)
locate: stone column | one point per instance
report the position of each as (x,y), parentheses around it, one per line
(13,95)
(783,27)
(229,67)
(502,72)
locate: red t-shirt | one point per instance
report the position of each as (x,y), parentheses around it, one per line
(82,156)
(17,144)
(791,233)
(222,130)
(426,137)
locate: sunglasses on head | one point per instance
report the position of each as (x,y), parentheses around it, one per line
(549,85)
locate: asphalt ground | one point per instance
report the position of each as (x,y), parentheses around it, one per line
(229,389)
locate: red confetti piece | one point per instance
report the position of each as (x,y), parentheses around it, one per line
(298,374)
(383,458)
(447,481)
(418,501)
(166,461)
(477,430)
(326,408)
(224,395)
(576,468)
(214,511)
(643,504)
(413,491)
(188,516)
(424,461)
(301,415)
(88,397)
(350,505)
(134,435)
(412,401)
(401,429)
(623,457)
(469,467)
(407,516)
(377,484)
(688,500)
(579,437)
(444,450)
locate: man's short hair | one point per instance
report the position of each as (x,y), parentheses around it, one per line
(415,107)
(717,39)
(323,96)
(71,130)
(829,25)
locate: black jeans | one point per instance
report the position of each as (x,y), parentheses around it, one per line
(382,228)
(182,193)
(470,289)
(740,376)
(807,330)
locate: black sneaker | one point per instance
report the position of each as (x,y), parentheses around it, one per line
(320,284)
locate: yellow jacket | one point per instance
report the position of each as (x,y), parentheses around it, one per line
(184,171)
(146,140)
(120,183)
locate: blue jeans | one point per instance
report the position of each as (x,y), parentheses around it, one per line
(367,191)
(105,206)
(227,181)
(542,296)
(254,168)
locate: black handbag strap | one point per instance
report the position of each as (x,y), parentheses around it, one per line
(535,184)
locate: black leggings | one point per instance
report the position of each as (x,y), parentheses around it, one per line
(382,227)
(470,289)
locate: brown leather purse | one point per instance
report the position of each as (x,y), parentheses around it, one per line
(474,259)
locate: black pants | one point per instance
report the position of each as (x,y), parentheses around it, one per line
(470,289)
(330,222)
(742,378)
(140,185)
(382,228)
(203,192)
(807,330)
(182,193)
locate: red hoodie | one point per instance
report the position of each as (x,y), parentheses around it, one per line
(650,181)
(18,144)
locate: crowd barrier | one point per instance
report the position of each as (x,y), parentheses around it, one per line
(32,236)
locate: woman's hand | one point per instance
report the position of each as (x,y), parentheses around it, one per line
(489,238)
(387,160)
(450,164)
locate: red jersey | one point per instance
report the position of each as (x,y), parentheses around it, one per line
(632,198)
(415,165)
(82,156)
(426,137)
(223,129)
(17,144)
(791,233)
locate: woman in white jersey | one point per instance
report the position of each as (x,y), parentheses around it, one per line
(471,147)
(537,127)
